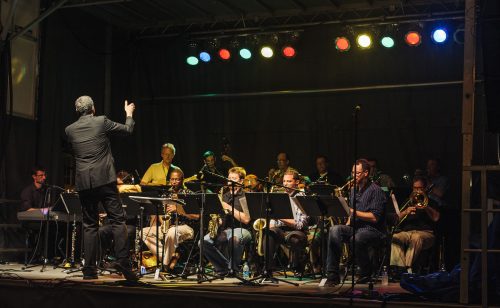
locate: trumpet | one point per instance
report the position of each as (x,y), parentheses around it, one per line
(259,225)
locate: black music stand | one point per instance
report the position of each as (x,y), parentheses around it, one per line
(152,206)
(201,203)
(275,206)
(70,204)
(322,206)
(322,188)
(136,209)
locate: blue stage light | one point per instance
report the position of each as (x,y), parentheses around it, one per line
(439,35)
(205,56)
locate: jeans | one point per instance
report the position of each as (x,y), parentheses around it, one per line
(213,253)
(365,238)
(108,196)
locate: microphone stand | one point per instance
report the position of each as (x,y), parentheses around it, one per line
(232,272)
(267,275)
(354,208)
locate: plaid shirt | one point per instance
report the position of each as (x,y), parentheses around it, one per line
(301,219)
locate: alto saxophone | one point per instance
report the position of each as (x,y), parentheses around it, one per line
(213,225)
(166,222)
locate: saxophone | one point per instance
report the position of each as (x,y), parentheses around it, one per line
(213,225)
(166,222)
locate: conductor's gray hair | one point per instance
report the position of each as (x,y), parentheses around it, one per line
(84,104)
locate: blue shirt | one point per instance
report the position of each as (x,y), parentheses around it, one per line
(370,198)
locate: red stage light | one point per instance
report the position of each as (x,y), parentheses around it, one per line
(224,54)
(288,51)
(413,38)
(342,44)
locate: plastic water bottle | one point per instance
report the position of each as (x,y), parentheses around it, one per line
(246,271)
(385,277)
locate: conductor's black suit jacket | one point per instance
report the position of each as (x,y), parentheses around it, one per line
(94,160)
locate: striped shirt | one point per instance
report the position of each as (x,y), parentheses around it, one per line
(370,198)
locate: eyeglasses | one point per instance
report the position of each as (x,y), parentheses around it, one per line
(40,175)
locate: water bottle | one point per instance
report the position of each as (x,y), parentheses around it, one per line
(385,277)
(246,271)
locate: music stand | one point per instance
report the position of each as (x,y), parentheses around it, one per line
(323,206)
(199,203)
(70,204)
(275,206)
(136,209)
(153,206)
(323,189)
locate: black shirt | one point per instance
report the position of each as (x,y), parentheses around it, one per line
(32,197)
(420,220)
(228,198)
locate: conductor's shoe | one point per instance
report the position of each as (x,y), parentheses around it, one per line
(126,271)
(90,276)
(89,273)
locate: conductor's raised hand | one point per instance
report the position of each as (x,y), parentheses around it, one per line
(129,108)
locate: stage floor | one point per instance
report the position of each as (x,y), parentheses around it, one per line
(54,286)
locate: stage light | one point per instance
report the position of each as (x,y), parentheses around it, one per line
(458,35)
(288,52)
(342,44)
(224,54)
(439,35)
(364,41)
(205,56)
(413,38)
(245,53)
(267,52)
(387,42)
(192,60)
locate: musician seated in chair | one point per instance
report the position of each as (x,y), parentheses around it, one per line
(369,222)
(415,229)
(216,239)
(174,229)
(290,233)
(159,173)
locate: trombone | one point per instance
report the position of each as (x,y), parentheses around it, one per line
(417,199)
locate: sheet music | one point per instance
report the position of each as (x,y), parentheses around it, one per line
(395,204)
(244,206)
(344,205)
